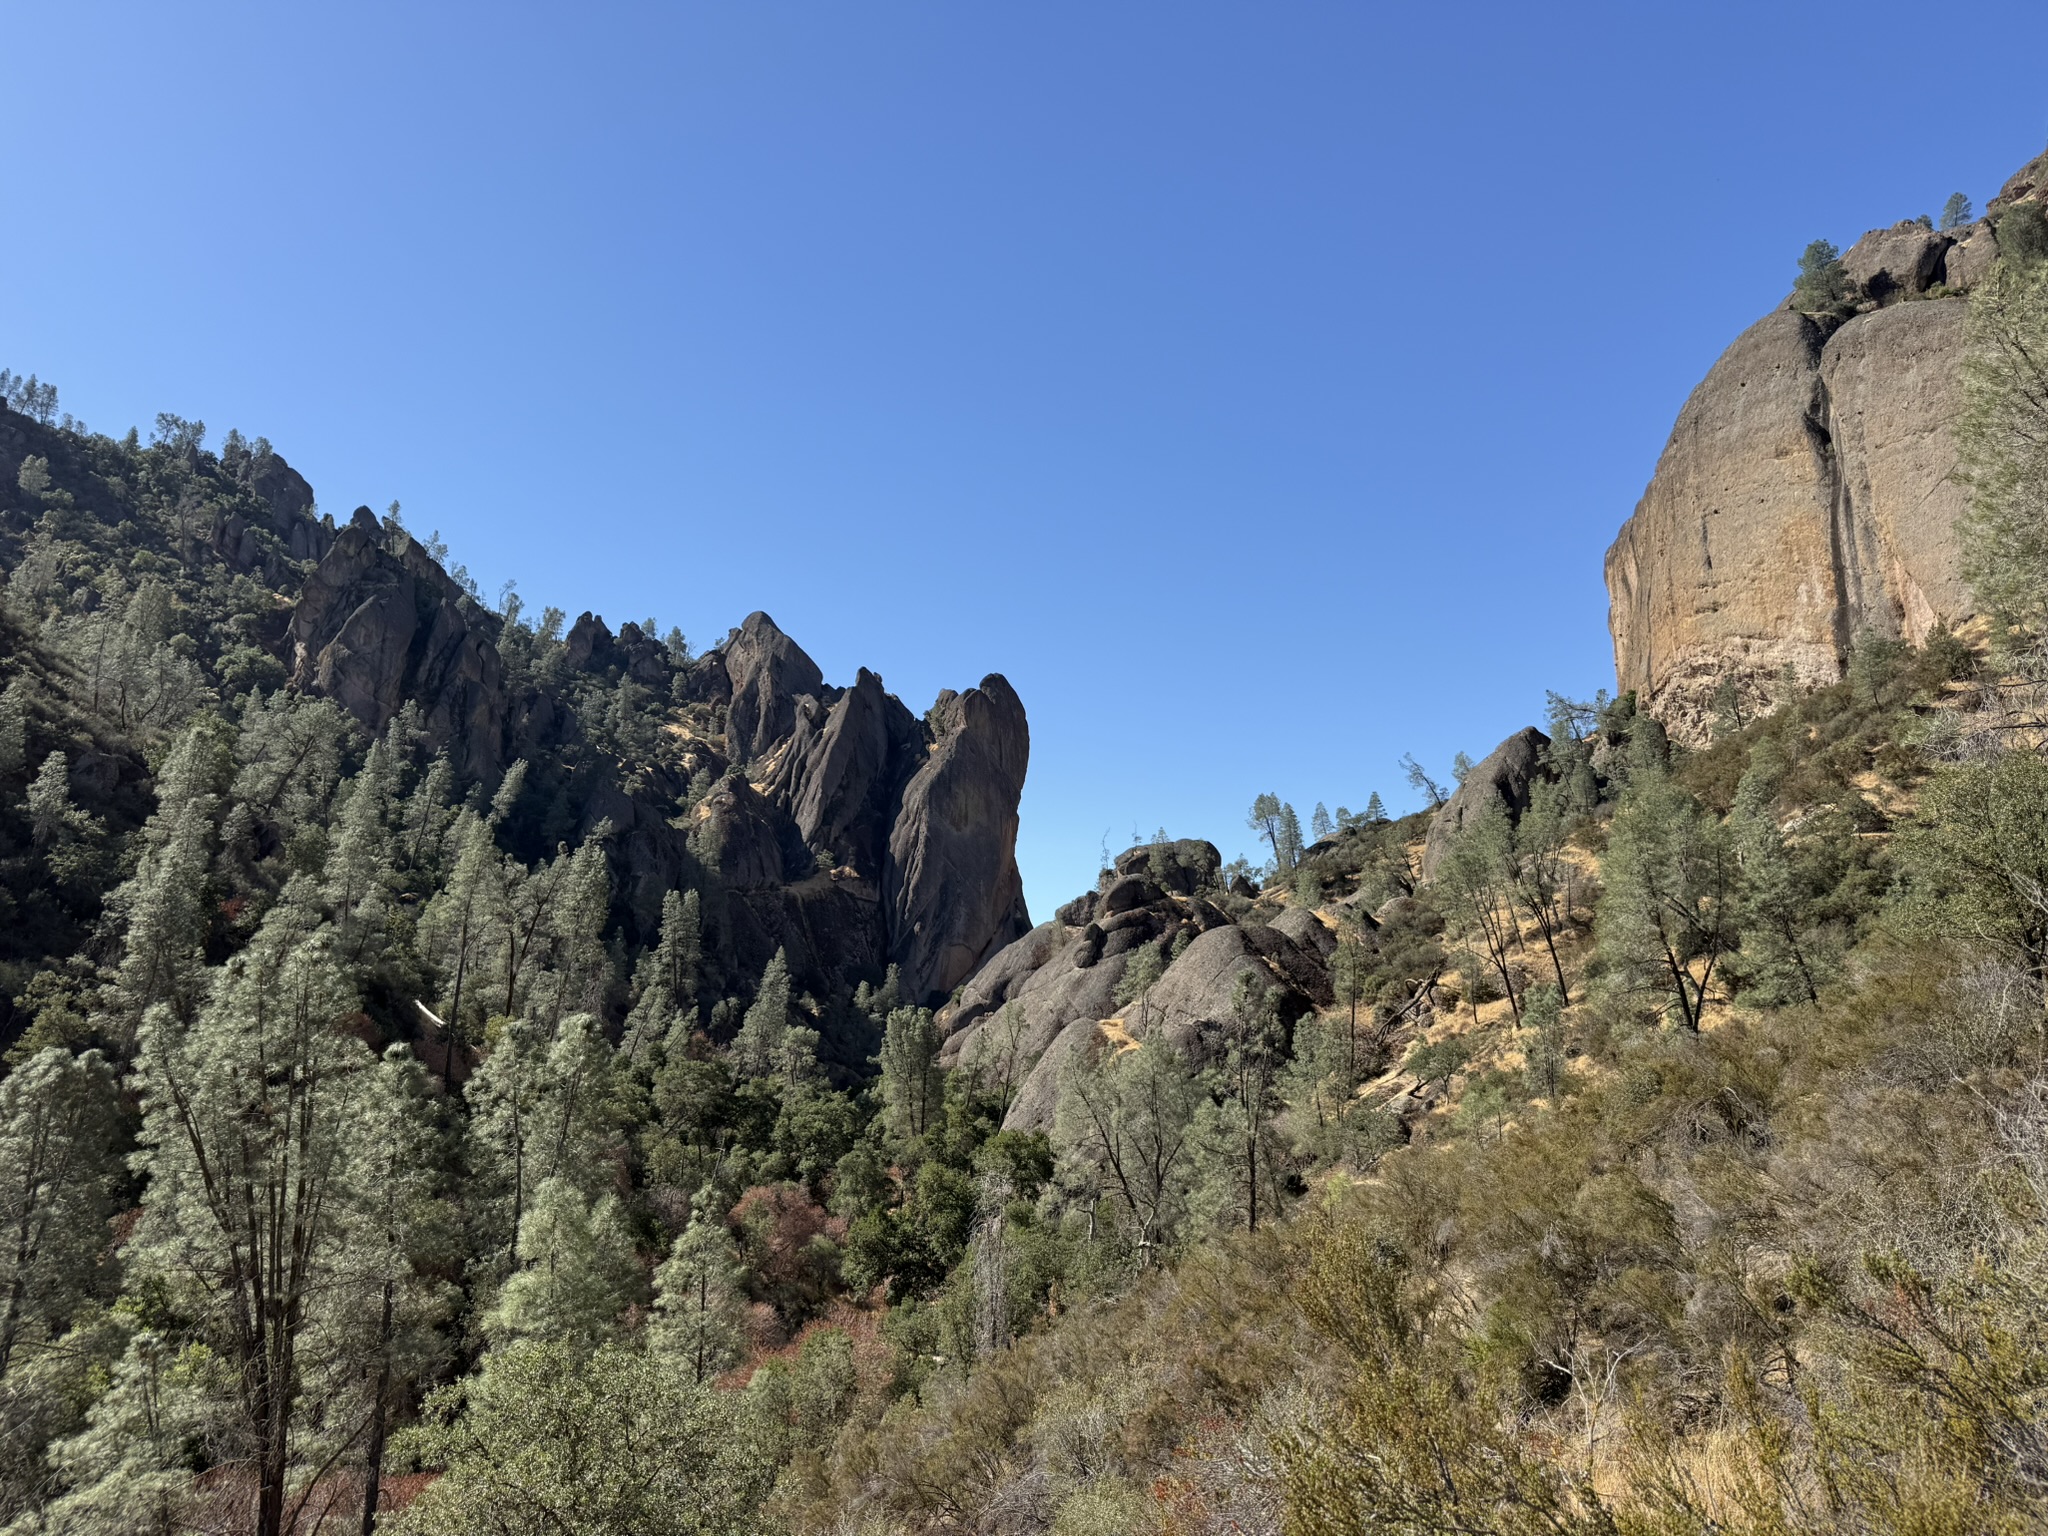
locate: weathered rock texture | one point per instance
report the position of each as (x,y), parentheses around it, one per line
(1805,494)
(950,880)
(913,822)
(840,828)
(379,623)
(1503,777)
(1804,497)
(1059,980)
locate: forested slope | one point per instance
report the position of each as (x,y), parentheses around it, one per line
(470,1074)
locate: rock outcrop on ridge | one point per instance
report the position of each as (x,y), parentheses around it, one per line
(1051,992)
(379,623)
(840,828)
(830,823)
(1806,492)
(1504,777)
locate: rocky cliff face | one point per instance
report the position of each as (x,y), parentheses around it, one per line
(379,623)
(1805,493)
(840,827)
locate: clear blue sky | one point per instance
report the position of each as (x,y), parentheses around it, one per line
(1256,385)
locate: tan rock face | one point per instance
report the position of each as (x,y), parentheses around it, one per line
(1802,498)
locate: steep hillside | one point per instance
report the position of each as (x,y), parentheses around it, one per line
(468,1073)
(831,824)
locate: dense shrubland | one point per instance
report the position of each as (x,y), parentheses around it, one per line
(1673,1160)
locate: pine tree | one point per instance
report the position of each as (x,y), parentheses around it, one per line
(13,729)
(540,1443)
(164,908)
(996,1053)
(249,1119)
(665,981)
(1477,883)
(1667,916)
(1956,212)
(579,974)
(59,1127)
(1823,284)
(523,914)
(912,1085)
(360,862)
(429,815)
(1288,851)
(290,750)
(1777,960)
(699,1301)
(1375,810)
(1420,780)
(1264,818)
(541,1108)
(1570,755)
(577,1272)
(456,926)
(754,1047)
(1242,1132)
(1144,967)
(128,1472)
(398,1227)
(506,796)
(1124,1124)
(1319,824)
(50,813)
(1542,875)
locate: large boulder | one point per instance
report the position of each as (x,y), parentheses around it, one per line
(1969,260)
(949,881)
(1193,1007)
(1034,991)
(2027,184)
(379,623)
(1307,930)
(1503,777)
(1803,497)
(768,672)
(1185,865)
(1902,262)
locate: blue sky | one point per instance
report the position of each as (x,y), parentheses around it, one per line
(1256,386)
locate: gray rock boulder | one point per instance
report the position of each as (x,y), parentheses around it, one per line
(949,881)
(1892,388)
(1969,260)
(1193,1006)
(1503,777)
(1183,866)
(1726,563)
(588,647)
(1307,930)
(748,839)
(1897,263)
(644,658)
(2026,184)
